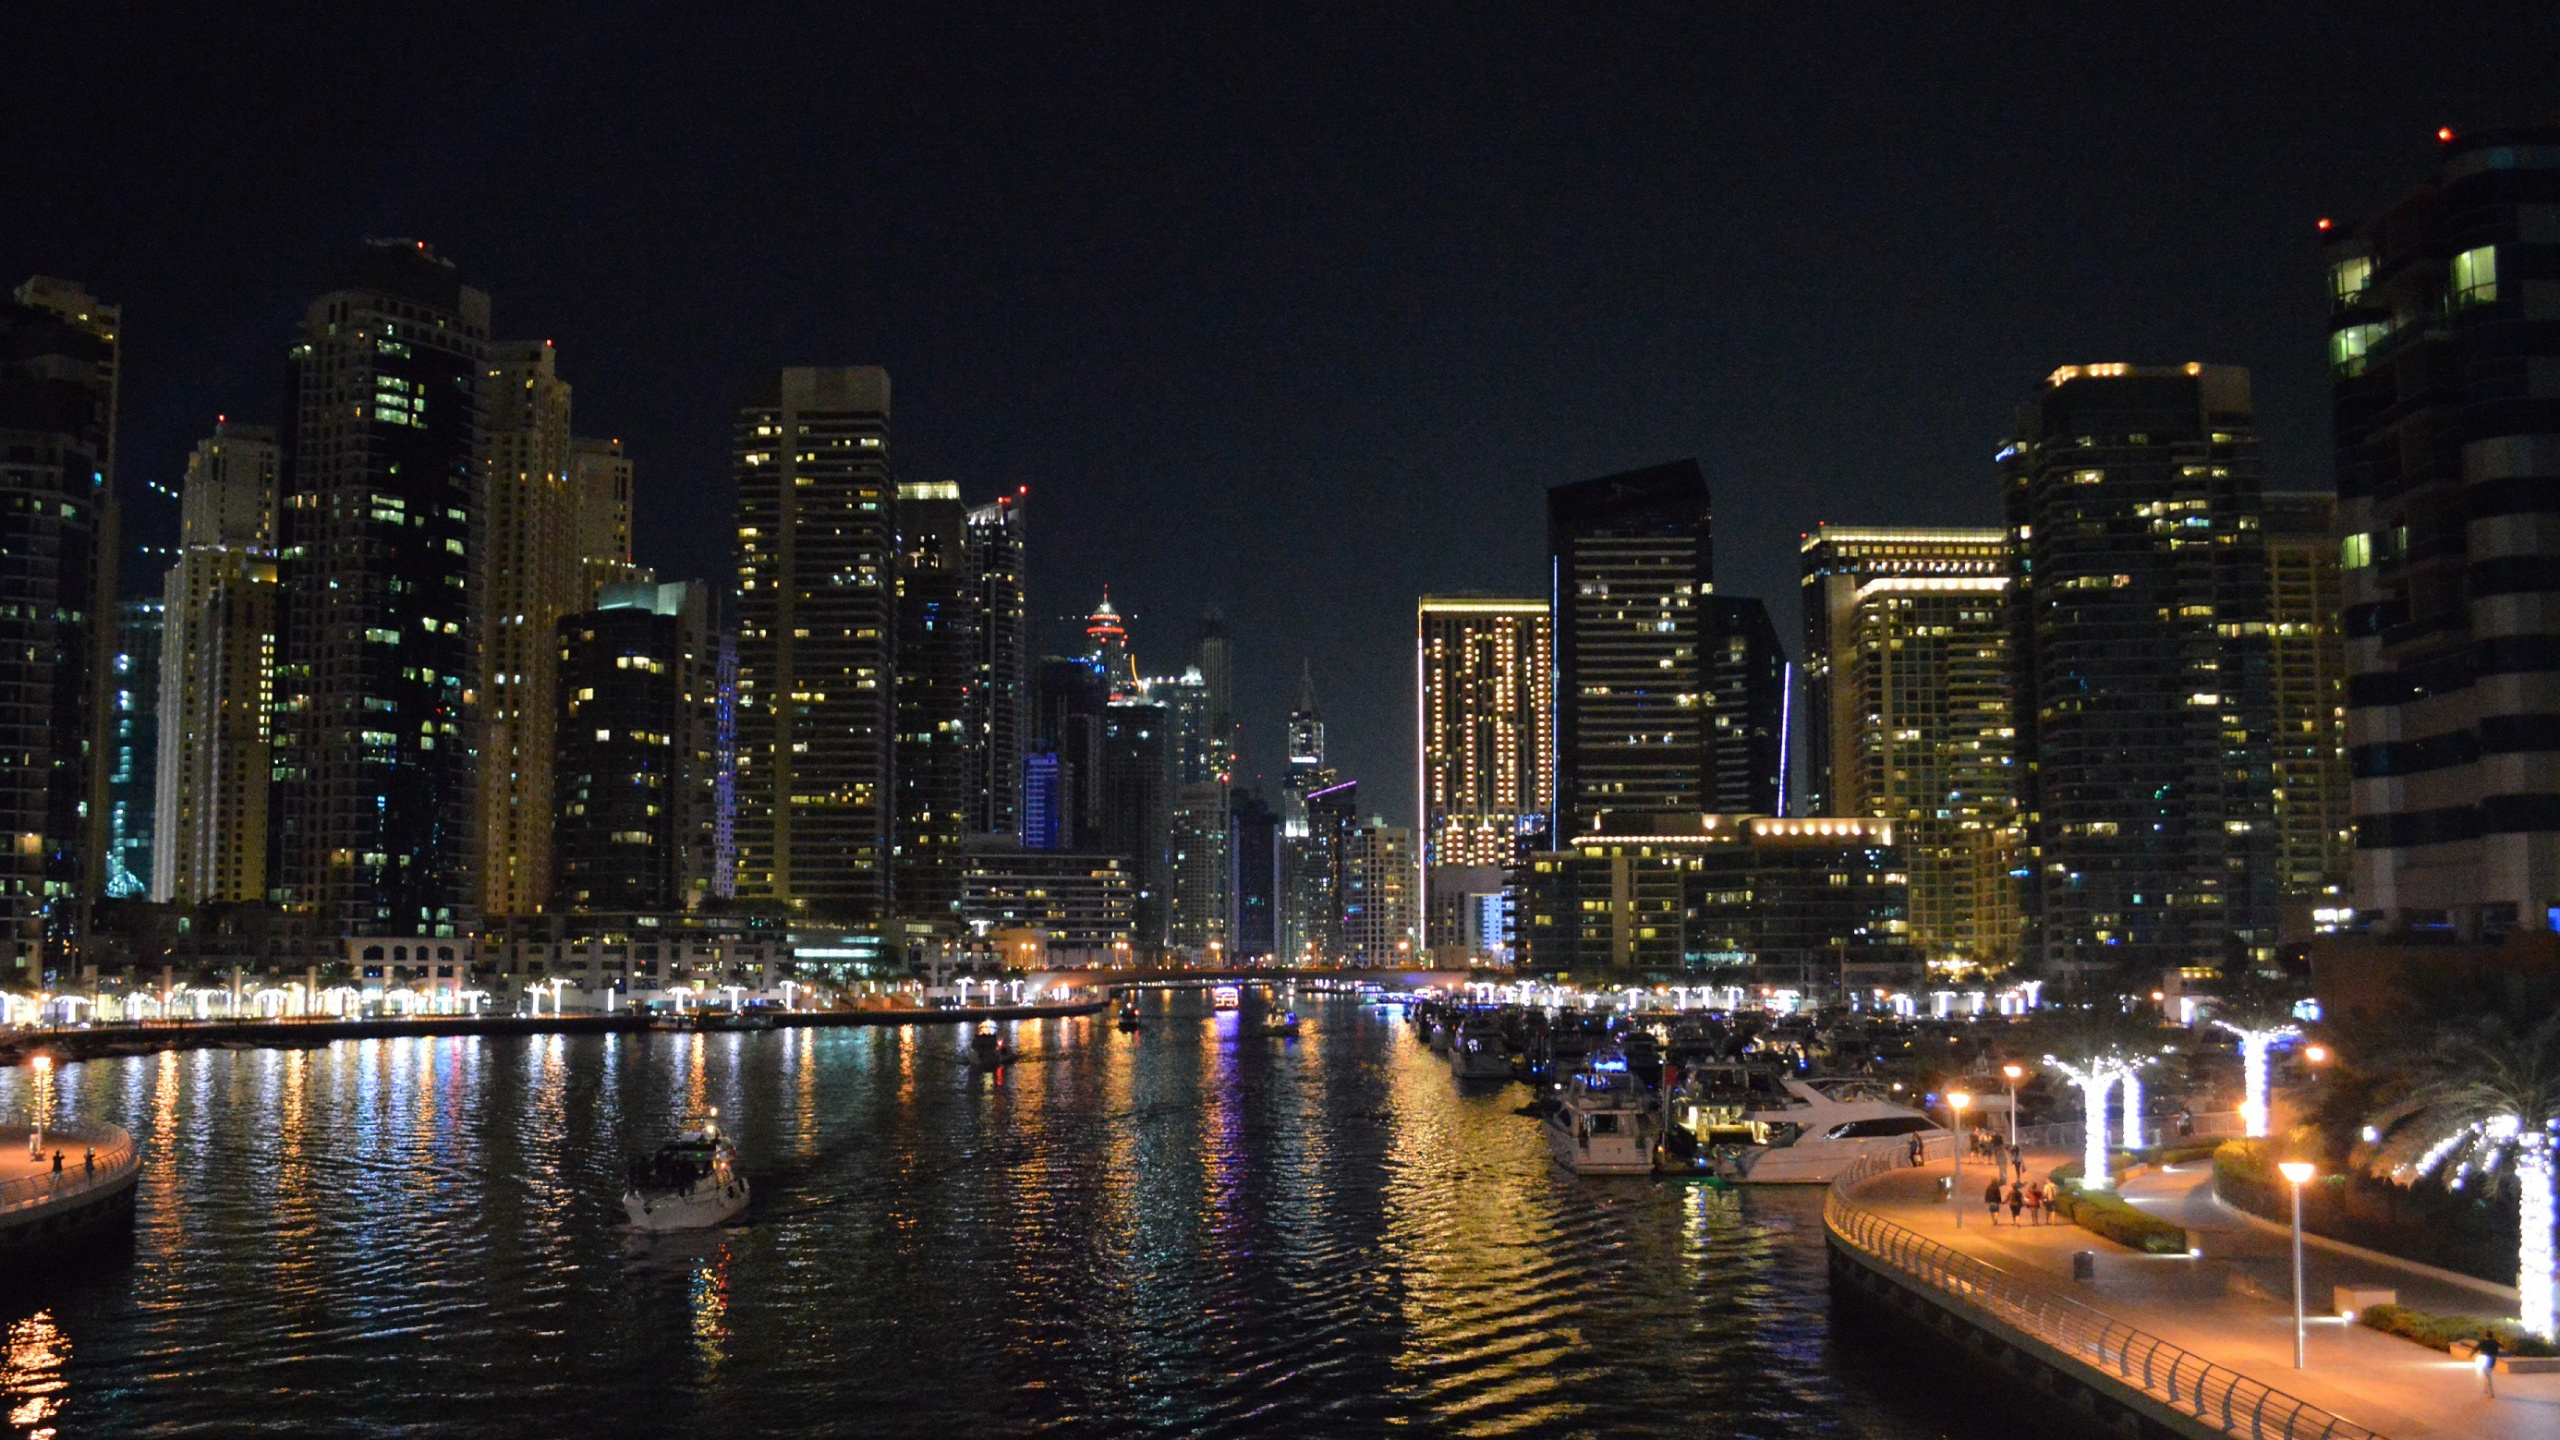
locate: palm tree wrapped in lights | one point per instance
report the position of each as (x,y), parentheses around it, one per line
(2259,1036)
(2483,1103)
(2096,1072)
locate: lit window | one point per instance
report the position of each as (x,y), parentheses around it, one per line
(2475,276)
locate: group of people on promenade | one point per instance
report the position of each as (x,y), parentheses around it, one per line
(2022,1196)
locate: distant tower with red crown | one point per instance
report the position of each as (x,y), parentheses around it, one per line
(1111,646)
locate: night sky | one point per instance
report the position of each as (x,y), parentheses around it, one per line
(1290,310)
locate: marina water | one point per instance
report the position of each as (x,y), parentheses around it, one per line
(1180,1231)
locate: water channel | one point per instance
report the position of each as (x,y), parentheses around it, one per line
(1180,1232)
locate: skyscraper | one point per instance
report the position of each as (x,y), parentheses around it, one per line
(1200,869)
(58,368)
(1750,687)
(1213,655)
(1909,718)
(817,624)
(1109,639)
(1253,887)
(636,783)
(1069,696)
(1484,677)
(1312,874)
(1306,866)
(2444,362)
(1135,817)
(2138,604)
(530,573)
(999,696)
(2307,666)
(370,821)
(600,491)
(1631,555)
(1376,887)
(938,759)
(217,687)
(133,749)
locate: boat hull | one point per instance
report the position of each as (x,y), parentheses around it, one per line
(1602,1154)
(699,1208)
(1487,1064)
(1817,1162)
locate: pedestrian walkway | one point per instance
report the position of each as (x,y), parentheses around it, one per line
(2234,1305)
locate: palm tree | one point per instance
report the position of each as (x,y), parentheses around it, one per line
(2095,1049)
(2483,1101)
(2261,1015)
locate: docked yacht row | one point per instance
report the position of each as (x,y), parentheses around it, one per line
(1625,1098)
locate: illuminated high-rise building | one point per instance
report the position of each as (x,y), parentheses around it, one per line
(2445,393)
(1485,676)
(817,633)
(371,819)
(1307,916)
(1631,557)
(1109,642)
(133,748)
(1909,718)
(1199,871)
(1750,687)
(1375,892)
(938,759)
(2307,661)
(636,781)
(600,491)
(999,696)
(530,574)
(2138,605)
(59,352)
(217,686)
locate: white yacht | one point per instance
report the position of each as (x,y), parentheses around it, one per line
(1806,1134)
(1478,1051)
(1603,1125)
(691,1183)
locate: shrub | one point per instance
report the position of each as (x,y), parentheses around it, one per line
(2184,1152)
(2438,1332)
(2107,1214)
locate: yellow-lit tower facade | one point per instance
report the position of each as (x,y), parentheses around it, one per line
(1485,723)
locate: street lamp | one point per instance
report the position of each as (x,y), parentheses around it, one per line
(2013,1074)
(1956,1101)
(2297,1171)
(44,1106)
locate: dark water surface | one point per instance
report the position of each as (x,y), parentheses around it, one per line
(1178,1232)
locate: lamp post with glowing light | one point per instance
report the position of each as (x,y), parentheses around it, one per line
(1956,1101)
(44,1106)
(2013,1074)
(2297,1171)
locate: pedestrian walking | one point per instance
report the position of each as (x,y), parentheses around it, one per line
(2489,1352)
(2052,1193)
(2017,1201)
(2018,1159)
(57,1162)
(89,1160)
(2035,1204)
(1916,1149)
(1991,1200)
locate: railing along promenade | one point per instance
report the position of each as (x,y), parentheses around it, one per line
(2223,1400)
(115,1153)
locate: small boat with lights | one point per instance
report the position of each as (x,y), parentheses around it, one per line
(987,1050)
(1281,1027)
(1603,1124)
(1478,1050)
(1225,997)
(692,1183)
(1128,1017)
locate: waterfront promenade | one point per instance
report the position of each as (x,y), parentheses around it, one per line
(2234,1305)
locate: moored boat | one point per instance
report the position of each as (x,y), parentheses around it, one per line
(1478,1051)
(1603,1125)
(692,1183)
(1806,1134)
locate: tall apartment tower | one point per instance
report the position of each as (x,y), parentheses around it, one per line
(133,749)
(817,636)
(371,820)
(1909,719)
(1199,871)
(2307,666)
(938,760)
(1306,876)
(2138,612)
(2446,386)
(530,574)
(1750,690)
(58,367)
(1253,885)
(600,491)
(637,775)
(999,696)
(1377,879)
(217,685)
(1631,556)
(1485,724)
(1213,655)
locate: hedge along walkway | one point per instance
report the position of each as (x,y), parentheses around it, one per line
(2235,1306)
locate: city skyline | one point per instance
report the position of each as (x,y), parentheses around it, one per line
(1691,295)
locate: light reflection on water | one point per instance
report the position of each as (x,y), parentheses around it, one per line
(1188,1230)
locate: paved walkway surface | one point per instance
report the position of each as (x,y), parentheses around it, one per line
(15,1164)
(2234,1306)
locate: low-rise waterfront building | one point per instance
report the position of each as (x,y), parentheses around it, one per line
(1081,907)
